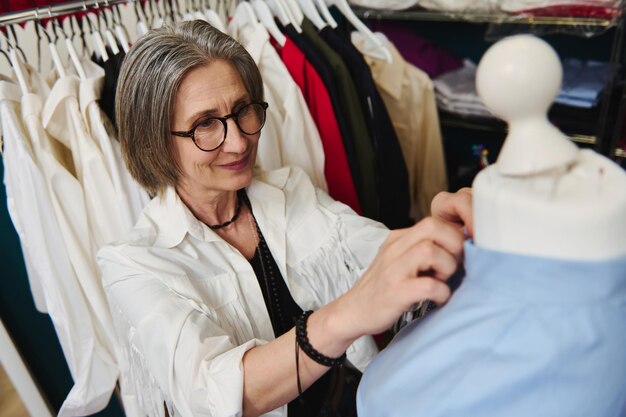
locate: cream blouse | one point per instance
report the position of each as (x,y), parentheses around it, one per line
(187,305)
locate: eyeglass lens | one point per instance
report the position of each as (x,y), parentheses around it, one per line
(210,133)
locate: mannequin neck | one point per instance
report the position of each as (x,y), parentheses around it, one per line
(578,213)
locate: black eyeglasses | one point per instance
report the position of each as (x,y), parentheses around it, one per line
(210,133)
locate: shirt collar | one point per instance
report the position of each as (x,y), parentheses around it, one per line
(547,281)
(173,220)
(388,76)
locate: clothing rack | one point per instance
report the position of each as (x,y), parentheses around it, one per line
(56,10)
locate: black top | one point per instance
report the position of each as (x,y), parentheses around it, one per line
(111,73)
(284,312)
(392,175)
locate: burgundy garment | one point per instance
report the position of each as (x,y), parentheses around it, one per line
(419,51)
(568,10)
(18,5)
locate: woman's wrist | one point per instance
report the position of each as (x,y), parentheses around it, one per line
(326,332)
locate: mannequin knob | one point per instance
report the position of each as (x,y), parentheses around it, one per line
(518,78)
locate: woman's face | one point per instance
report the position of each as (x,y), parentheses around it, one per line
(212,90)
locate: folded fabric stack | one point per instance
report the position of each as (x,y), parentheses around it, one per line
(456,92)
(598,9)
(583,82)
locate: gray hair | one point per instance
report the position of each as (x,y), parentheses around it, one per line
(147,86)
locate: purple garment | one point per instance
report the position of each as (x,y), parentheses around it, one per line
(419,51)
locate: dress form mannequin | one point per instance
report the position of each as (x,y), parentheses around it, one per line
(536,327)
(543,196)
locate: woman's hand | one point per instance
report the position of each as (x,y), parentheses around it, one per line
(412,265)
(455,208)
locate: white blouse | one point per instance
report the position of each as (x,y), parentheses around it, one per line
(188,306)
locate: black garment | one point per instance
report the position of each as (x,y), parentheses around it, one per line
(111,74)
(392,174)
(283,313)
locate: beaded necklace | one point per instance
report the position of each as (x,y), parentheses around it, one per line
(268,270)
(235,216)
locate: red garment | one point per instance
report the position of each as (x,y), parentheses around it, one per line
(336,169)
(568,10)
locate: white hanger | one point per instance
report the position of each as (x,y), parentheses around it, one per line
(100,49)
(111,41)
(308,9)
(54,52)
(120,31)
(142,27)
(279,10)
(293,9)
(71,50)
(380,50)
(19,71)
(264,14)
(328,17)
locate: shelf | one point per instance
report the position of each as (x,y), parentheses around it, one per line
(427,15)
(497,126)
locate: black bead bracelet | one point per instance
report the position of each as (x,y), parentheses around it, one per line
(302,339)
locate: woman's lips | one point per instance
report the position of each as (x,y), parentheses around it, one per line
(236,165)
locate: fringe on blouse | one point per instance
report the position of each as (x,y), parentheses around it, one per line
(333,260)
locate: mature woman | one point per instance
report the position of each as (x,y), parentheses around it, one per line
(224,260)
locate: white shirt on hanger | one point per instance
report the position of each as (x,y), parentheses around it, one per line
(130,197)
(87,212)
(22,184)
(91,364)
(190,305)
(62,119)
(298,138)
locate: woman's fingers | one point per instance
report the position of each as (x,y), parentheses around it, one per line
(429,289)
(443,234)
(454,208)
(433,260)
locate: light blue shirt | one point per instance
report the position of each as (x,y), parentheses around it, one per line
(522,337)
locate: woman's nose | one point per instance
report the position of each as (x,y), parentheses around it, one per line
(236,141)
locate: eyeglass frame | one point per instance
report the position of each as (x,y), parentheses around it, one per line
(190,133)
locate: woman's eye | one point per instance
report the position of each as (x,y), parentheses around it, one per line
(207,124)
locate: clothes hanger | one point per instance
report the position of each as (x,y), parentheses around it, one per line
(293,9)
(308,9)
(69,44)
(197,10)
(100,49)
(158,18)
(280,10)
(264,14)
(142,27)
(15,61)
(187,14)
(120,30)
(81,33)
(108,35)
(175,10)
(52,44)
(328,17)
(377,48)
